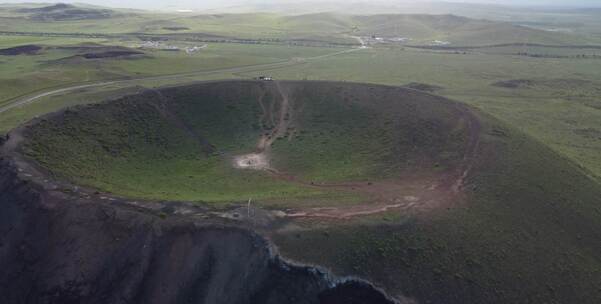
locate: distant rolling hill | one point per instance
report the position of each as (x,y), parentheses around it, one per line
(61,11)
(420,29)
(458,30)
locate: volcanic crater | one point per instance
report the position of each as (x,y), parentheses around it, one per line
(162,169)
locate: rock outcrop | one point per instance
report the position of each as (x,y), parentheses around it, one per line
(56,247)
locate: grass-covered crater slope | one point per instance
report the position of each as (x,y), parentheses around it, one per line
(356,170)
(274,142)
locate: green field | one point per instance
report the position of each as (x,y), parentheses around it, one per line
(526,229)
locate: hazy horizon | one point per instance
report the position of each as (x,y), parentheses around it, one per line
(216,4)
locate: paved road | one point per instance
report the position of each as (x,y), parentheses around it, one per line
(256,67)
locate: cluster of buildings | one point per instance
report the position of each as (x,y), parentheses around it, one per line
(159,45)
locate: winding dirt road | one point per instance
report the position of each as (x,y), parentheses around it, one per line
(21,101)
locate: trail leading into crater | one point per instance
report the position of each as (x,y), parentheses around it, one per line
(259,160)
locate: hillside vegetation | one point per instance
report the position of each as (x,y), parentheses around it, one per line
(528,232)
(179,143)
(520,225)
(325,28)
(493,201)
(456,30)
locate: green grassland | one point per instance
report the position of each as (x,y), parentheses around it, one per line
(345,133)
(7,41)
(319,27)
(529,233)
(214,56)
(569,124)
(457,30)
(467,77)
(23,74)
(542,52)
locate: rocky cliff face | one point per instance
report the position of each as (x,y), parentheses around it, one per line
(59,247)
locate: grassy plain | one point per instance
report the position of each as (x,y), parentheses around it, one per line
(24,74)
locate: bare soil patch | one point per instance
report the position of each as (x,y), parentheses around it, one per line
(254,161)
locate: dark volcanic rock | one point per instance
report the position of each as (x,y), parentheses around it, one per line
(423,87)
(21,50)
(110,54)
(50,8)
(514,83)
(58,248)
(176,28)
(352,292)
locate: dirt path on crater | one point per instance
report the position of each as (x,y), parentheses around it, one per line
(410,195)
(474,128)
(284,115)
(259,160)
